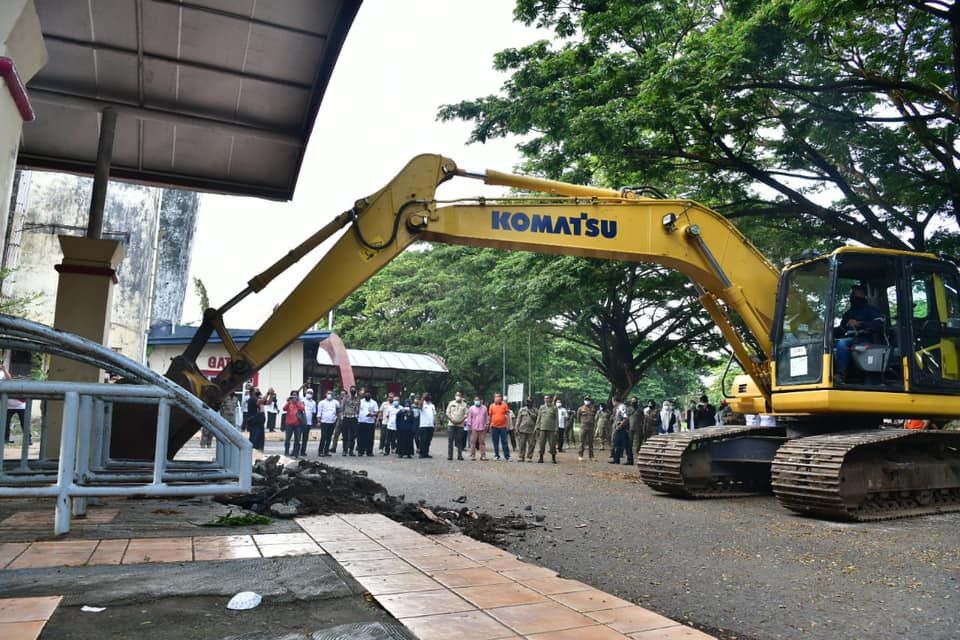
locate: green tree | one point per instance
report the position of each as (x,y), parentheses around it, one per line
(838,119)
(201,290)
(615,310)
(593,326)
(440,299)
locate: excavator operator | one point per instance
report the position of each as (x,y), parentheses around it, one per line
(857,325)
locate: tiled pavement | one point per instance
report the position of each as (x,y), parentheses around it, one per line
(451,587)
(24,618)
(72,553)
(440,587)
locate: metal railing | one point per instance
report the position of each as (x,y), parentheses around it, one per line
(83,467)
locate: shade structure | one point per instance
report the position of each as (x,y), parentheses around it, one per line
(213,95)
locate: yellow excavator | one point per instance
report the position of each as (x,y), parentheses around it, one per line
(829,379)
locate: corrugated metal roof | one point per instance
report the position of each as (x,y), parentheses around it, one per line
(215,95)
(361,358)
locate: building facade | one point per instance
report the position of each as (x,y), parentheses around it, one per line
(155,226)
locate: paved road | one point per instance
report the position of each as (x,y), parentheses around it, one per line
(745,565)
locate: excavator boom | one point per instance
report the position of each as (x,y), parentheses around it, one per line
(583,221)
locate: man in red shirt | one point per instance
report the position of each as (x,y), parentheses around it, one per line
(499,413)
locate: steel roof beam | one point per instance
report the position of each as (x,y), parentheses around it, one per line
(239,16)
(57,97)
(193,64)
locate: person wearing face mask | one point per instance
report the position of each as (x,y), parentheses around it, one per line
(547,419)
(562,423)
(477,422)
(327,410)
(526,424)
(621,432)
(704,414)
(407,421)
(457,417)
(651,421)
(349,412)
(382,420)
(428,422)
(366,424)
(392,412)
(310,414)
(294,417)
(862,318)
(670,420)
(587,417)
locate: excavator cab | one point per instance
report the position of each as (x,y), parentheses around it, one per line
(862,319)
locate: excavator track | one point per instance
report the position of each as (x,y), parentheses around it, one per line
(668,463)
(869,475)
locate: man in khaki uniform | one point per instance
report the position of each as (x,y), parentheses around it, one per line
(586,416)
(456,416)
(526,424)
(547,425)
(603,427)
(636,424)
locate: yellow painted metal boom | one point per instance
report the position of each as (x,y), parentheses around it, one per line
(734,277)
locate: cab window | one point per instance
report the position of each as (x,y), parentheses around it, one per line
(935,314)
(800,348)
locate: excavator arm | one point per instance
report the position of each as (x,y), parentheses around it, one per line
(737,284)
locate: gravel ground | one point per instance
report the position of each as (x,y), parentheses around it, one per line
(744,566)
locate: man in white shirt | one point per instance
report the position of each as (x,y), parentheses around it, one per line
(327,410)
(366,424)
(562,424)
(382,419)
(391,420)
(428,421)
(309,412)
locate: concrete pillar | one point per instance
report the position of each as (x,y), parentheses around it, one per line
(22,42)
(84,300)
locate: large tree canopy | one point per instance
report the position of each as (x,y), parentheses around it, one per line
(467,305)
(615,310)
(840,116)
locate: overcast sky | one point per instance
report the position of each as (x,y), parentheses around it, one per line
(400,62)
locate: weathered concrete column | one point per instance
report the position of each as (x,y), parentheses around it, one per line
(84,300)
(22,54)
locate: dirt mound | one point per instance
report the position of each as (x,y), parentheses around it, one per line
(305,487)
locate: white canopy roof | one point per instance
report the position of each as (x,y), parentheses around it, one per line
(361,358)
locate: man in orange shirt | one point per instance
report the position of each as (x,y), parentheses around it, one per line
(499,413)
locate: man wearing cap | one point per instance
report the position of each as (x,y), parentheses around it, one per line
(547,424)
(587,417)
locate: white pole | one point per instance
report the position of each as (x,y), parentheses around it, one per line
(529,367)
(503,380)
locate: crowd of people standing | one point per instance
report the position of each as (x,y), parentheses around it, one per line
(354,420)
